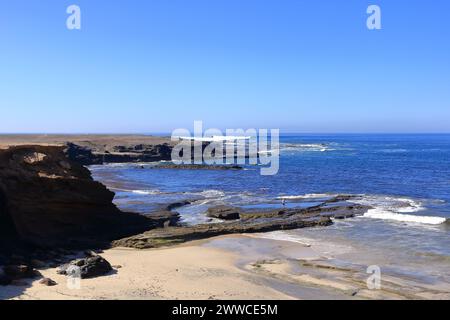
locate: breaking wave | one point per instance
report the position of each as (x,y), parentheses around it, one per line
(305,196)
(145,192)
(383,207)
(212,193)
(395,209)
(307,147)
(378,213)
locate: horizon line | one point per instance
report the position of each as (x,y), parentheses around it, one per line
(169,133)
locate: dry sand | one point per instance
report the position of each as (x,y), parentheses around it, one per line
(184,272)
(226,267)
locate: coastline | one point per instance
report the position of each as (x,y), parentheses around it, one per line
(224,267)
(190,271)
(240,266)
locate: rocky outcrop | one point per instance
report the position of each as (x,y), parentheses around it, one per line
(250,221)
(49,200)
(223,213)
(95,154)
(82,155)
(90,267)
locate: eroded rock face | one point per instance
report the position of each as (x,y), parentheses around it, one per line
(33,157)
(81,154)
(47,199)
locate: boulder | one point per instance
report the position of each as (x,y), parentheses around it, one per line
(224,213)
(89,267)
(48,282)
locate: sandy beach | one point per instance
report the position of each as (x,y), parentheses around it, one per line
(186,272)
(271,265)
(256,269)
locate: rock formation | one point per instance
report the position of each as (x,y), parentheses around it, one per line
(49,200)
(90,267)
(223,213)
(95,154)
(247,221)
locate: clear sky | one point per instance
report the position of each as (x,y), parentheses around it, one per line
(157,65)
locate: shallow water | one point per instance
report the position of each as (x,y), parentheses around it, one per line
(406,178)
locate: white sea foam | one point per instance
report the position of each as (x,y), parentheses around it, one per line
(325,249)
(145,192)
(215,138)
(212,193)
(378,213)
(305,196)
(305,147)
(394,209)
(282,236)
(394,150)
(139,191)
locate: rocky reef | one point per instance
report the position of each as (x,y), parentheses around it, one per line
(247,221)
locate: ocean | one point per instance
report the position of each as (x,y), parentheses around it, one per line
(405,178)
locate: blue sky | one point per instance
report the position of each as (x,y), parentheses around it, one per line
(157,65)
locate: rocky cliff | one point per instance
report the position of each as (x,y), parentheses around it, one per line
(48,200)
(99,154)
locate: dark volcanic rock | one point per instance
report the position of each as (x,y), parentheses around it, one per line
(179,204)
(196,167)
(13,273)
(49,200)
(89,267)
(250,221)
(82,155)
(175,235)
(96,154)
(223,212)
